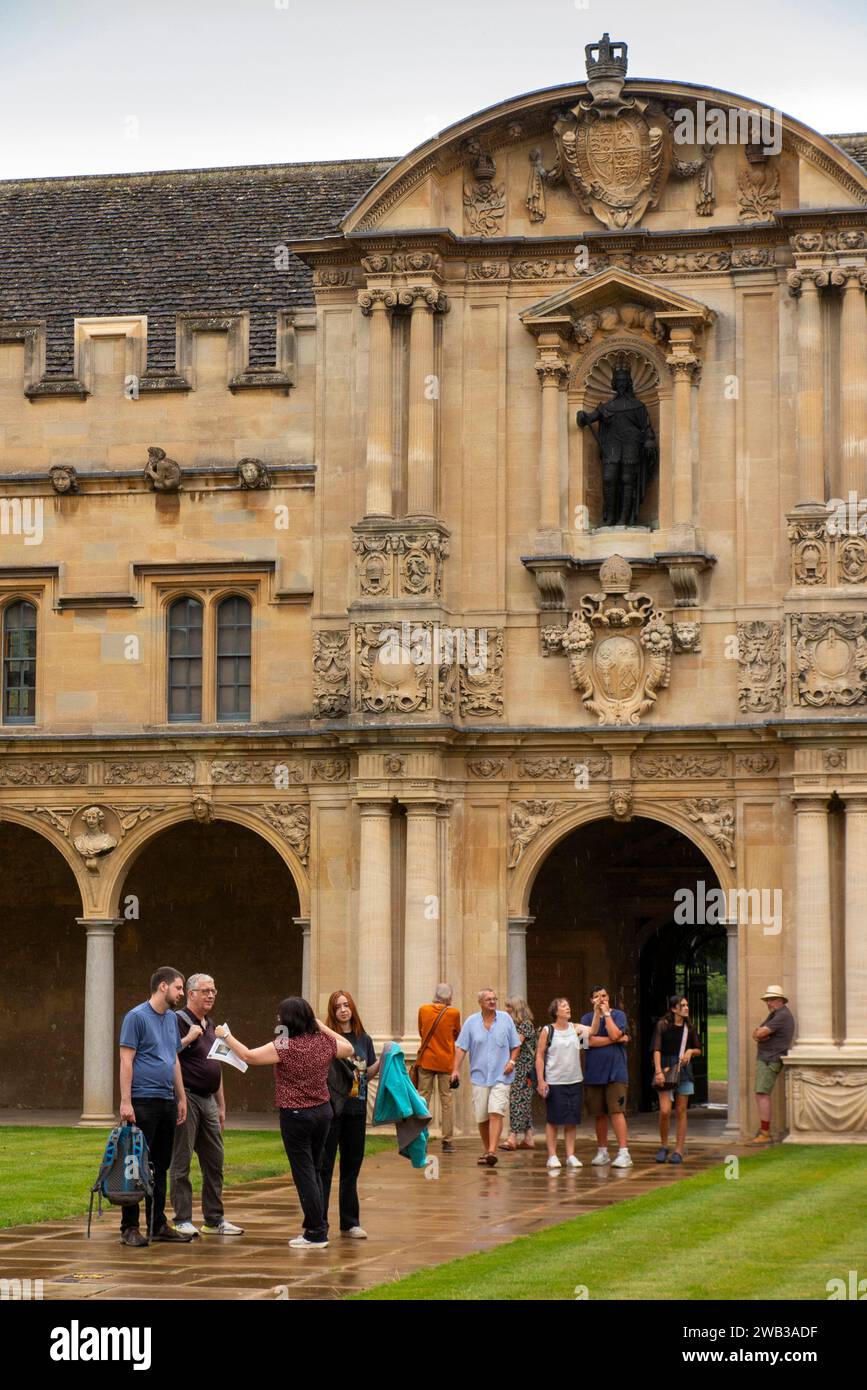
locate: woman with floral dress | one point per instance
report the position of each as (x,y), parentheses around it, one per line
(521,1090)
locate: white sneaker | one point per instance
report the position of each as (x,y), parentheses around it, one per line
(302,1243)
(622,1160)
(223,1228)
(186,1228)
(602,1156)
(553,1162)
(355,1233)
(573,1162)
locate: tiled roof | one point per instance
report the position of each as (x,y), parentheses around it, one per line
(854,145)
(163,243)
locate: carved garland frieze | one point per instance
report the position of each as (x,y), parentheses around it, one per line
(245,772)
(829,659)
(564,768)
(761,670)
(679,765)
(149,772)
(22,774)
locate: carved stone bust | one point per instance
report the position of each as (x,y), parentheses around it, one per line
(94,840)
(162,473)
(252,474)
(63,478)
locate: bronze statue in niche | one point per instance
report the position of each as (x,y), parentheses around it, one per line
(627,448)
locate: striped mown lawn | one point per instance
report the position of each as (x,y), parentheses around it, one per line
(717,1041)
(792,1219)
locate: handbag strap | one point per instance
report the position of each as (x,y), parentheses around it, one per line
(683,1042)
(430,1032)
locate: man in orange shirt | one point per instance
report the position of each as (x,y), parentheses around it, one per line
(438,1027)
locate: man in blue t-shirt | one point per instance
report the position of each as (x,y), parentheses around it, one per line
(152,1095)
(606,1075)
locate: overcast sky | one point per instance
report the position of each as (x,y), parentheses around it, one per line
(104,86)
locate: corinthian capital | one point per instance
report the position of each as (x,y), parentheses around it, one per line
(684,367)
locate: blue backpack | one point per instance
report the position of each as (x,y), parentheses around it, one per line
(125,1175)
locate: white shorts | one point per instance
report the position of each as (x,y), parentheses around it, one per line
(490,1100)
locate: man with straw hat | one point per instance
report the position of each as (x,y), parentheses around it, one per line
(774,1038)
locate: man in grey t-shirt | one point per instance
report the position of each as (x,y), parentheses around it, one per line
(774,1038)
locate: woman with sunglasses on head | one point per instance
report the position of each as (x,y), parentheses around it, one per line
(349,1128)
(561,1079)
(675,1043)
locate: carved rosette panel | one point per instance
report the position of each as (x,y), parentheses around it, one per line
(829,659)
(564,767)
(679,765)
(761,671)
(392,676)
(26,774)
(619,648)
(716,818)
(331,696)
(165,774)
(829,1101)
(526,819)
(292,823)
(247,772)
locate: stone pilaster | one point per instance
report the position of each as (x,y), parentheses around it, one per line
(423,398)
(853,382)
(856,925)
(306,982)
(422,915)
(813,943)
(377,304)
(517,955)
(374,918)
(684,365)
(100,1043)
(733,1036)
(552,369)
(811,424)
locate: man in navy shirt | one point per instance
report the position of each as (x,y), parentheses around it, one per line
(606,1076)
(152,1094)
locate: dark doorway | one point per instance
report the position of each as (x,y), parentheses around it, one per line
(215,898)
(678,960)
(604,893)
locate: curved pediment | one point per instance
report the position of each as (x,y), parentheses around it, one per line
(610,154)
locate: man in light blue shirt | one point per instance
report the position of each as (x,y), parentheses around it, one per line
(492,1042)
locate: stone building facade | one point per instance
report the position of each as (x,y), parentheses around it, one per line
(321,668)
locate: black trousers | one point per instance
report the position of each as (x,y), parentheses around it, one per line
(157,1120)
(304,1134)
(347,1133)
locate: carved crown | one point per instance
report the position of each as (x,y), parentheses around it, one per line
(610,59)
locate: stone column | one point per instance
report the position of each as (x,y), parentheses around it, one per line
(377,305)
(733,1033)
(856,923)
(853,383)
(517,955)
(304,924)
(374,918)
(423,397)
(682,370)
(811,423)
(813,974)
(100,1042)
(422,917)
(552,369)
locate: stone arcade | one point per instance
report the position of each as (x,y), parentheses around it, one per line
(214,754)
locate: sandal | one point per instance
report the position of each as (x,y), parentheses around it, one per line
(491,1160)
(507,1147)
(482,1162)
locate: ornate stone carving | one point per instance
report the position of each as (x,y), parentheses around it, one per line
(394,765)
(757,763)
(614,318)
(151,773)
(244,772)
(406,564)
(489,270)
(330,674)
(688,263)
(679,765)
(827,549)
(480,682)
(162,474)
(809,539)
(388,677)
(526,819)
(834,759)
(93,840)
(20,774)
(484,201)
(753,259)
(63,478)
(829,1101)
(717,820)
(293,823)
(376,295)
(620,803)
(619,648)
(829,658)
(329,769)
(760,667)
(852,560)
(332,277)
(687,637)
(486,767)
(564,768)
(203,810)
(535,201)
(758,194)
(253,474)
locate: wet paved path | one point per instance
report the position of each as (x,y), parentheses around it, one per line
(412,1222)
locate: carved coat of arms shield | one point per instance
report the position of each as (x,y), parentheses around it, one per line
(618,165)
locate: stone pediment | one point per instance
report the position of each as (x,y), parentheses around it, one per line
(630,301)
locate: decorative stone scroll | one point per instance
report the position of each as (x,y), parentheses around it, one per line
(331,695)
(761,671)
(26,774)
(717,819)
(526,819)
(619,648)
(829,659)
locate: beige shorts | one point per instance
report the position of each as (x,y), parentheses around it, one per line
(490,1100)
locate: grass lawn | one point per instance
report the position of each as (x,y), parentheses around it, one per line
(46,1172)
(717,1059)
(794,1218)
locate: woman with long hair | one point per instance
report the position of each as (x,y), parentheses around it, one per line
(521,1090)
(561,1078)
(675,1043)
(301,1055)
(349,1128)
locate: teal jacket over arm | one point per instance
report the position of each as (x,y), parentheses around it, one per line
(398,1100)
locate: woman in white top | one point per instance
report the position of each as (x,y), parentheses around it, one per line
(560,1078)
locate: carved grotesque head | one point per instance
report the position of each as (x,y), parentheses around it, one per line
(252,473)
(63,478)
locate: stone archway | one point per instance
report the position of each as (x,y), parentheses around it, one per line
(42,1039)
